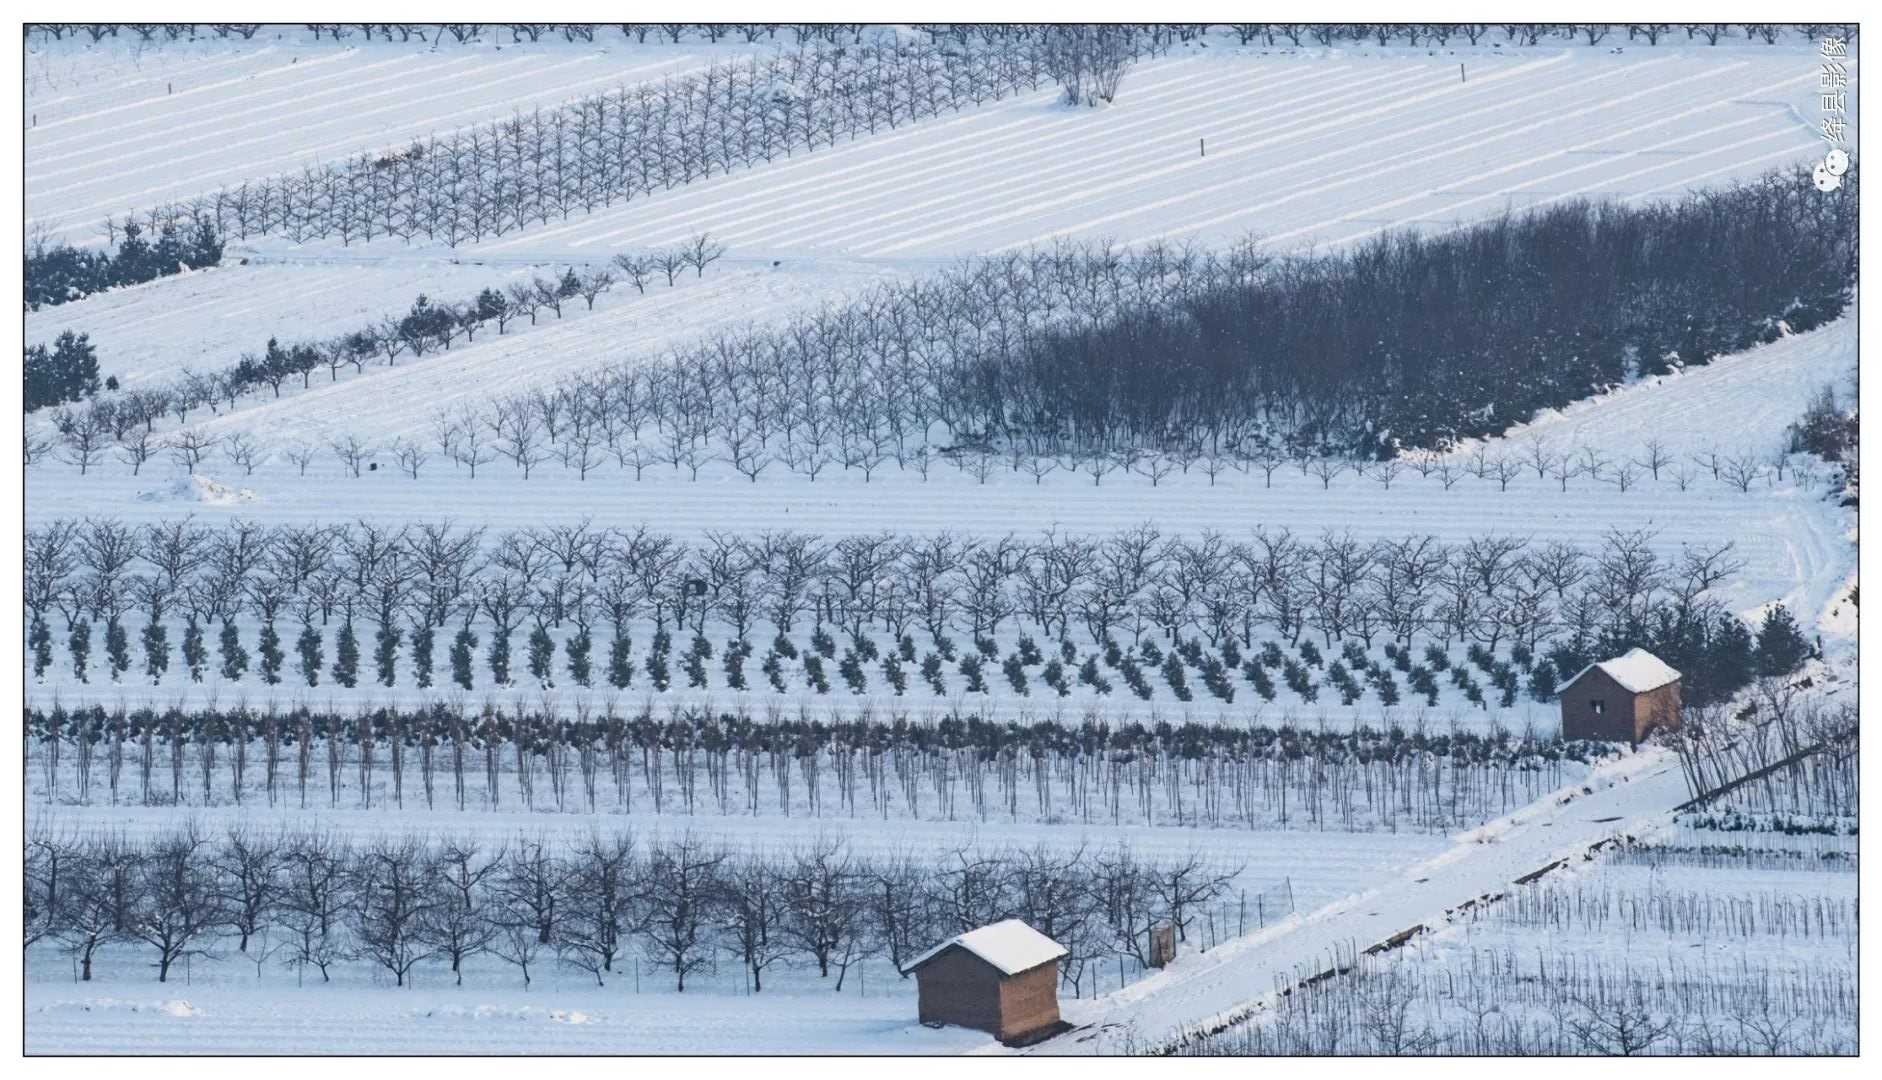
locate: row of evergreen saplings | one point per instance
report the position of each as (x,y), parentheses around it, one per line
(1730,656)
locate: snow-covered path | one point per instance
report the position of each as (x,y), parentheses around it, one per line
(1204,991)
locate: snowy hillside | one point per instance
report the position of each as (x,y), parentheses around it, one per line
(650,527)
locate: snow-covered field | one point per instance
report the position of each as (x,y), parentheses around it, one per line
(1793,540)
(1280,130)
(205,321)
(1309,147)
(1296,147)
(116,128)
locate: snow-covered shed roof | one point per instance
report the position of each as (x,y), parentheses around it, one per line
(1010,946)
(1637,669)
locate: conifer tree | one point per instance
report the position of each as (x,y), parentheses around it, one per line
(620,668)
(156,651)
(1731,661)
(542,657)
(41,640)
(386,653)
(422,639)
(229,647)
(1782,648)
(462,653)
(499,657)
(78,643)
(580,648)
(308,645)
(117,649)
(346,657)
(271,654)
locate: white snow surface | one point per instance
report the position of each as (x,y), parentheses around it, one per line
(205,490)
(1637,669)
(1010,945)
(1280,129)
(1297,147)
(1304,147)
(114,128)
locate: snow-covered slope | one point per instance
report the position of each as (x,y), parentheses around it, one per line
(172,122)
(1201,991)
(1210,146)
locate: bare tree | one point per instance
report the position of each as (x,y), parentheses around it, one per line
(37,445)
(1623,476)
(241,449)
(1622,1026)
(392,906)
(352,452)
(671,262)
(301,454)
(189,446)
(85,436)
(683,880)
(1741,470)
(175,908)
(410,456)
(703,252)
(1564,468)
(636,269)
(135,447)
(1503,469)
(1654,457)
(595,281)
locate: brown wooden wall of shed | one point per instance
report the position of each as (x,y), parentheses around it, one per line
(1029,1001)
(1628,716)
(958,987)
(1657,708)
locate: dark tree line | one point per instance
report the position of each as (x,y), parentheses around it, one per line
(415,907)
(1415,340)
(57,273)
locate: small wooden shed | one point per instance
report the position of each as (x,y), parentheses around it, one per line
(1627,697)
(1002,979)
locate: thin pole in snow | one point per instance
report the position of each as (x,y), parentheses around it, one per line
(1460,74)
(1202,149)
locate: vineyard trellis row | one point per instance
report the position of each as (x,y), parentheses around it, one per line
(693,762)
(1565,999)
